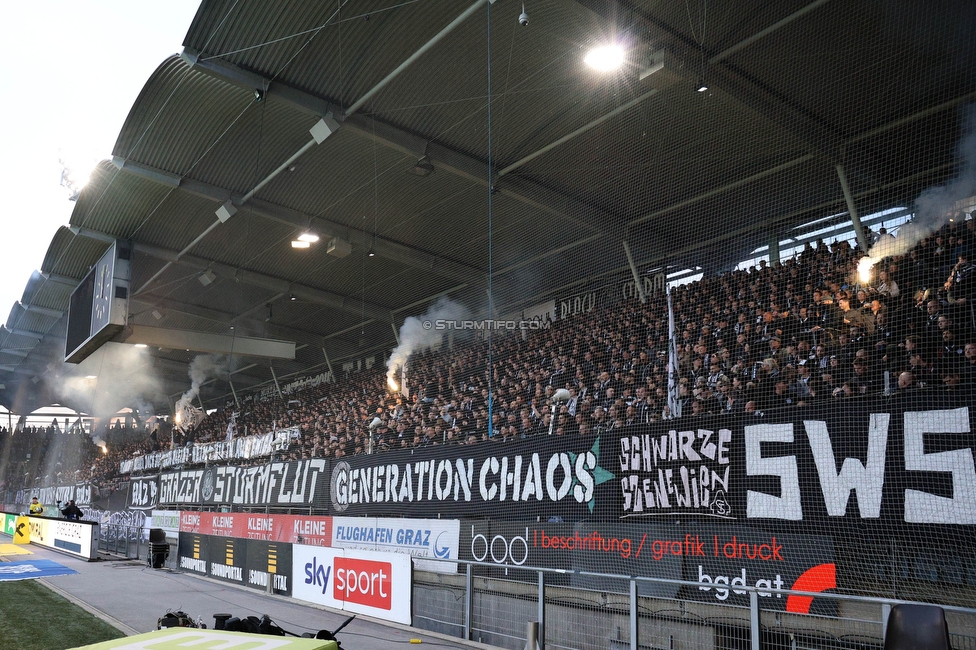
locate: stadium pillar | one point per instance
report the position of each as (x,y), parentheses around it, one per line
(852,209)
(633,615)
(234,393)
(275,377)
(633,269)
(754,619)
(468,599)
(773,247)
(329,363)
(542,610)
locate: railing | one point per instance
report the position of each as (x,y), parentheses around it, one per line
(120,539)
(502,612)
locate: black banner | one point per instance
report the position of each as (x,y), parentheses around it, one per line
(720,558)
(609,548)
(143,493)
(282,484)
(544,475)
(894,466)
(228,556)
(194,552)
(268,561)
(247,562)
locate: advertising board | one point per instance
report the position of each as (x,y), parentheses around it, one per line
(362,582)
(296,529)
(719,558)
(167,520)
(76,538)
(421,538)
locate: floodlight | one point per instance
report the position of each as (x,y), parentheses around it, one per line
(606,58)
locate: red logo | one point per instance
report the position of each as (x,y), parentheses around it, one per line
(364,582)
(817,579)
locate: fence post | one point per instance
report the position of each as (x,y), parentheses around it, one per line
(885,612)
(468,597)
(754,618)
(633,615)
(542,610)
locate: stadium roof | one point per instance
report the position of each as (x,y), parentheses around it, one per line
(581,161)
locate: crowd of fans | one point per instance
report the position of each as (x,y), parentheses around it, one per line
(37,456)
(801,332)
(794,333)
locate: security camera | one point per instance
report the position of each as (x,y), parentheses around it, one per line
(523,17)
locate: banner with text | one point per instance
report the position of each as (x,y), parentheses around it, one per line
(362,582)
(719,557)
(214,452)
(297,529)
(421,538)
(279,484)
(891,466)
(248,562)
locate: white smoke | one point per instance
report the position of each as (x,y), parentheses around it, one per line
(420,333)
(113,377)
(202,368)
(934,206)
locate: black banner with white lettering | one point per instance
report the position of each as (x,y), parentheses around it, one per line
(248,562)
(268,561)
(194,551)
(721,558)
(143,493)
(280,484)
(875,465)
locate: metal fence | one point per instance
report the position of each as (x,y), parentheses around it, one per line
(120,539)
(498,610)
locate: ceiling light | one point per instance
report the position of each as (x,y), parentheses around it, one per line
(371,253)
(296,243)
(606,58)
(91,377)
(310,237)
(141,345)
(293,298)
(701,87)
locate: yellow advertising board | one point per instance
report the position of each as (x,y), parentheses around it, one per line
(22,530)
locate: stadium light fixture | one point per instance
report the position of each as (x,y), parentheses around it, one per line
(297,243)
(310,237)
(605,58)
